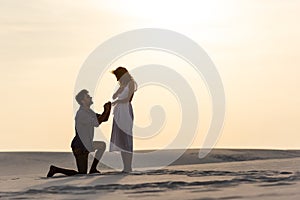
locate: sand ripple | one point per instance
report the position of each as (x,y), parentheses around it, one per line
(262,178)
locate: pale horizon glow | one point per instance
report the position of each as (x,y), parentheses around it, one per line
(254,45)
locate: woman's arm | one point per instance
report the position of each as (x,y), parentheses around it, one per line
(115,95)
(129,96)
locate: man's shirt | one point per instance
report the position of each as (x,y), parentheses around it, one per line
(85,121)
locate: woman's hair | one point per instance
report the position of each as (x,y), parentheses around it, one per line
(124,76)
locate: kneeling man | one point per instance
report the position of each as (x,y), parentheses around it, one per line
(85,121)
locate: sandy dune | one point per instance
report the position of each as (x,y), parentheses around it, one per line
(224,174)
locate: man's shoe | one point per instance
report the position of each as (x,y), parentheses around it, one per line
(51,172)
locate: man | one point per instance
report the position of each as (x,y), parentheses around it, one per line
(85,121)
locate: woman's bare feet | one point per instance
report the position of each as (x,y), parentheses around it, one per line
(126,171)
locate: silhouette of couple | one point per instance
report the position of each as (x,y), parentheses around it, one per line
(86,119)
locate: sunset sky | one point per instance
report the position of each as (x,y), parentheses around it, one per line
(254,44)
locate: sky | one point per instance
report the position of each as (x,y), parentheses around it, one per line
(254,45)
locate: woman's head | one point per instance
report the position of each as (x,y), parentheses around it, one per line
(122,75)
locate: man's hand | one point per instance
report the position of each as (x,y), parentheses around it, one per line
(107,106)
(105,115)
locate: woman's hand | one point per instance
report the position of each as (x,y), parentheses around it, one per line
(115,95)
(115,102)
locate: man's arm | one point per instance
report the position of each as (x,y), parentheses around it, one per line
(105,115)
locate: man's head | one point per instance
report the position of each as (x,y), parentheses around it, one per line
(84,99)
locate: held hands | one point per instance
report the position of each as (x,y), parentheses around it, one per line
(107,106)
(105,115)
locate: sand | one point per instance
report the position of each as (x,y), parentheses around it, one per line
(223,174)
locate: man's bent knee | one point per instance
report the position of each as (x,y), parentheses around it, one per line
(99,145)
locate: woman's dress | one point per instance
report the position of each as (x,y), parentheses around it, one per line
(121,136)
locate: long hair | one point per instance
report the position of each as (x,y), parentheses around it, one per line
(124,76)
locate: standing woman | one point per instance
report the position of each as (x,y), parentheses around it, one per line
(121,136)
